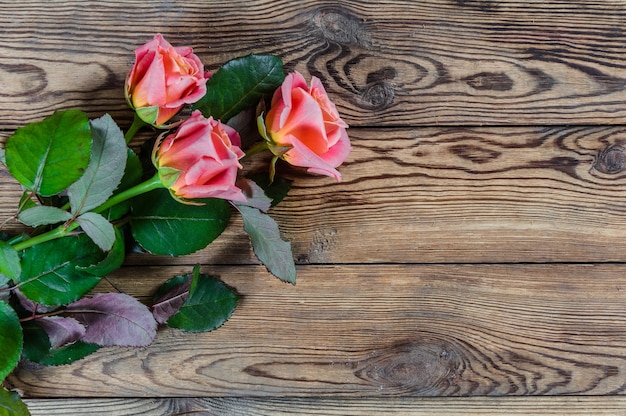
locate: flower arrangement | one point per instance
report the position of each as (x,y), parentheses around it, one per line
(89,198)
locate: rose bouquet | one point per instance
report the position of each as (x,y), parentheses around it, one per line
(89,198)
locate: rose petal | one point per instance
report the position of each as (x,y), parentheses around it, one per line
(304,120)
(302,156)
(206,159)
(166,77)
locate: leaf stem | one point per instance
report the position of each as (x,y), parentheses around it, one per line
(63,230)
(138,123)
(257,148)
(42,315)
(56,313)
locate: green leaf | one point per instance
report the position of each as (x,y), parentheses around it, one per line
(98,229)
(195,274)
(48,156)
(37,348)
(276,190)
(113,259)
(52,272)
(105,169)
(239,84)
(132,176)
(163,226)
(69,353)
(210,304)
(269,247)
(26,202)
(36,342)
(43,215)
(10,267)
(11,340)
(11,404)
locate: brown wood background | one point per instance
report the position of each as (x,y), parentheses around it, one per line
(476,246)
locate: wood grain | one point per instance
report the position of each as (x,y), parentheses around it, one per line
(486,133)
(384,331)
(386,63)
(446,195)
(566,406)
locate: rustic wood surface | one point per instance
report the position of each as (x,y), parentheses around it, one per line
(571,406)
(477,243)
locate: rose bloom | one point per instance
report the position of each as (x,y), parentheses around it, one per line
(305,128)
(200,160)
(164,79)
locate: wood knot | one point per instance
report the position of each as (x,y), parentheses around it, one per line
(379,91)
(422,367)
(22,80)
(490,81)
(378,96)
(475,153)
(610,160)
(339,26)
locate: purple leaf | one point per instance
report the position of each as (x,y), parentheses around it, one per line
(170,297)
(32,306)
(115,319)
(61,331)
(26,303)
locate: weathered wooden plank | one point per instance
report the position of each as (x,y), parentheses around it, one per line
(385,62)
(446,195)
(597,406)
(410,195)
(375,331)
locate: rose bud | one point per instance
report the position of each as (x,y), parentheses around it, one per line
(303,127)
(200,160)
(163,79)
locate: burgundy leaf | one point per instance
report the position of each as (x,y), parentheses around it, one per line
(167,304)
(26,303)
(115,319)
(31,306)
(61,331)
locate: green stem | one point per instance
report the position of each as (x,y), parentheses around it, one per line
(134,128)
(142,188)
(60,231)
(257,148)
(65,229)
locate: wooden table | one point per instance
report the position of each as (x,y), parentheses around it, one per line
(474,252)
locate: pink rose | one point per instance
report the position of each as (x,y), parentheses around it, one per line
(200,160)
(305,129)
(163,80)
